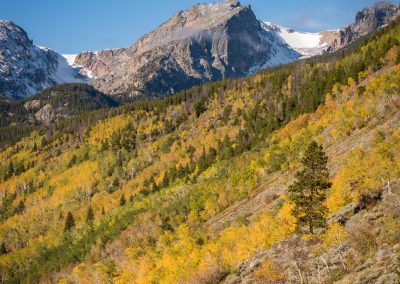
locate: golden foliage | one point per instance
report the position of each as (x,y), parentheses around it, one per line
(270,272)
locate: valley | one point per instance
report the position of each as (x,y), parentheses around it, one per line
(185,173)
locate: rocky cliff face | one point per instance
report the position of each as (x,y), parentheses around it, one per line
(368,20)
(26,68)
(210,42)
(205,43)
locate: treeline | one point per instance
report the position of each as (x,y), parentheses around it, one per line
(281,94)
(142,152)
(310,80)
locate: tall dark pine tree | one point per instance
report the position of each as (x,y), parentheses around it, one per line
(90,216)
(3,248)
(308,193)
(122,200)
(69,222)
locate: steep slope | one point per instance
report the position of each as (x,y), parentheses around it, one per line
(359,213)
(207,42)
(145,183)
(26,69)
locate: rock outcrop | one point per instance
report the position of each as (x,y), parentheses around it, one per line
(368,20)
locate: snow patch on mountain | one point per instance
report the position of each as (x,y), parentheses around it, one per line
(80,71)
(70,58)
(279,51)
(306,43)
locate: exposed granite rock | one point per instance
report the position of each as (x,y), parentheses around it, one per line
(207,42)
(368,20)
(210,42)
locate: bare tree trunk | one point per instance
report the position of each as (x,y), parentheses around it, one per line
(327,266)
(341,258)
(301,276)
(319,271)
(340,253)
(389,187)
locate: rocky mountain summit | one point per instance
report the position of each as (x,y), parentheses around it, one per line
(26,68)
(207,42)
(210,42)
(368,20)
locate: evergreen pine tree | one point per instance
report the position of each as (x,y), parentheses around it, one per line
(308,193)
(43,143)
(122,200)
(34,149)
(10,169)
(73,161)
(3,248)
(90,216)
(165,180)
(20,207)
(69,222)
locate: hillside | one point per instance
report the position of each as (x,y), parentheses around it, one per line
(48,107)
(192,188)
(53,104)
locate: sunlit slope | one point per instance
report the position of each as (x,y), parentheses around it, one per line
(157,174)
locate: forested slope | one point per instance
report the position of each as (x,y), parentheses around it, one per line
(141,192)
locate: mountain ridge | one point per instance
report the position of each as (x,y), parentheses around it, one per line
(206,42)
(281,49)
(191,45)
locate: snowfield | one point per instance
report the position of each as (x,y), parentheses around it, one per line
(306,43)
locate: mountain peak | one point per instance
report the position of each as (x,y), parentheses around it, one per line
(26,68)
(378,13)
(366,21)
(233,3)
(11,31)
(383,5)
(207,42)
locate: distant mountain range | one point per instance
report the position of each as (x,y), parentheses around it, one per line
(207,42)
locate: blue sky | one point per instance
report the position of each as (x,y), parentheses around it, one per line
(71,26)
